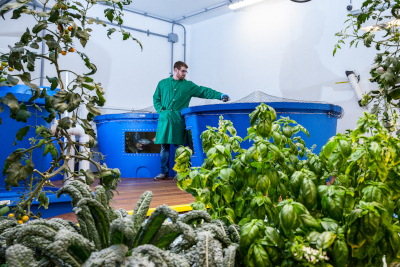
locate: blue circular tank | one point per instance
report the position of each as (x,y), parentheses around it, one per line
(127,142)
(9,127)
(319,119)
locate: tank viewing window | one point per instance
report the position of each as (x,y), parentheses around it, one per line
(141,142)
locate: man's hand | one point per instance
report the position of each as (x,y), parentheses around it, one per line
(225,98)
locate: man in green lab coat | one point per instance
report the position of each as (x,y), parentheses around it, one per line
(172,95)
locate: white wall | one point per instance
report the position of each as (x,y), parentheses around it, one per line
(128,75)
(279,47)
(283,49)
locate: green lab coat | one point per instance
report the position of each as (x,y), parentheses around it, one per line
(172,96)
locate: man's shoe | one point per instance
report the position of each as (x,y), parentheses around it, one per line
(161,176)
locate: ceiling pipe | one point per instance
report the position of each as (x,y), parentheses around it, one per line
(205,10)
(143,14)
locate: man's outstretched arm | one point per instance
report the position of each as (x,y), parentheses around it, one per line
(204,92)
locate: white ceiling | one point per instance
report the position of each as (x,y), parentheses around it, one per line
(176,9)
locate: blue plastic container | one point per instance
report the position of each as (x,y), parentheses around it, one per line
(8,130)
(127,142)
(319,119)
(9,127)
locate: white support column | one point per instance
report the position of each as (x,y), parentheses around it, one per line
(71,164)
(84,164)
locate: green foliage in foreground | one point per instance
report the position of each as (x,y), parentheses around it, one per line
(289,215)
(107,237)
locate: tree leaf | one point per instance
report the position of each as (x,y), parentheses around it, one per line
(13,5)
(91,20)
(10,100)
(95,111)
(89,177)
(12,81)
(17,172)
(21,133)
(53,81)
(40,26)
(23,115)
(64,123)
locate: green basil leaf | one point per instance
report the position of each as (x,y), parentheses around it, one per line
(340,253)
(326,239)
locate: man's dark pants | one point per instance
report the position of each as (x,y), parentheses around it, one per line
(165,158)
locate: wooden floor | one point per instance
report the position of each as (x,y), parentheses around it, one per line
(130,189)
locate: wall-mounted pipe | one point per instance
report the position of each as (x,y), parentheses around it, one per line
(134,29)
(42,59)
(172,47)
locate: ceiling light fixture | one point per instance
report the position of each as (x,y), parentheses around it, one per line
(301,1)
(243,3)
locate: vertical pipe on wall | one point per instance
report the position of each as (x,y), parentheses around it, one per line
(42,60)
(172,45)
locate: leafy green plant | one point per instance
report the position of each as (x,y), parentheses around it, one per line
(376,26)
(236,188)
(109,237)
(58,28)
(297,219)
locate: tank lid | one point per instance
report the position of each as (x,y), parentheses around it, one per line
(297,107)
(23,92)
(125,116)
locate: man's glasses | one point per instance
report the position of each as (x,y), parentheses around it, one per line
(184,71)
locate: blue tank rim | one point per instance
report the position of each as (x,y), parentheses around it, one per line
(23,92)
(280,107)
(125,116)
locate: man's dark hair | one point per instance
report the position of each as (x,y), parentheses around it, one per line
(179,64)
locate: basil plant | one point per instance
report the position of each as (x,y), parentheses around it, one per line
(277,190)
